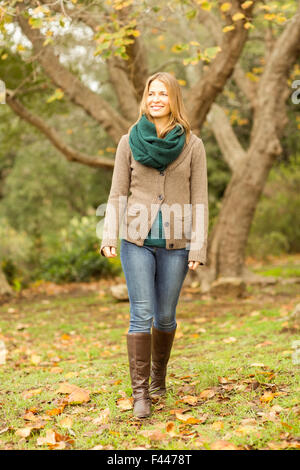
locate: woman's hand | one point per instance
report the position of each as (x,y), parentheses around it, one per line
(109,251)
(194,265)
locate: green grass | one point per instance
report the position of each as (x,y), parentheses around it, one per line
(279,271)
(85,335)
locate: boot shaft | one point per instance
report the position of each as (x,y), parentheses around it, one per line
(139,357)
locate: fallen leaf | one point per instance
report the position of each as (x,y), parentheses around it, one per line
(266,397)
(24,432)
(56,411)
(48,439)
(67,388)
(103,417)
(66,422)
(217,425)
(35,359)
(208,393)
(154,434)
(231,339)
(56,370)
(125,404)
(31,393)
(223,445)
(69,375)
(170,428)
(78,396)
(189,399)
(188,419)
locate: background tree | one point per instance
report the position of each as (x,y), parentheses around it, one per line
(210,44)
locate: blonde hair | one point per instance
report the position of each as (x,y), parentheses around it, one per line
(178,115)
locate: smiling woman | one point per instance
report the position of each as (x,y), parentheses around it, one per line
(162,164)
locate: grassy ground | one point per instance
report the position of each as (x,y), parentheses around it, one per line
(233,377)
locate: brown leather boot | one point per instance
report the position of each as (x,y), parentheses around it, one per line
(139,356)
(162,342)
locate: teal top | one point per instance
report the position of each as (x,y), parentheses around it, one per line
(158,228)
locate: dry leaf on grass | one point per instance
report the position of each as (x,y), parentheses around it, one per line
(223,445)
(55,440)
(66,387)
(208,393)
(24,432)
(78,396)
(103,417)
(189,399)
(154,434)
(267,397)
(125,404)
(31,393)
(217,425)
(187,419)
(66,422)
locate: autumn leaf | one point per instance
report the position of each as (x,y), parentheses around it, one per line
(54,440)
(125,404)
(66,422)
(35,359)
(188,419)
(189,399)
(266,397)
(208,393)
(238,16)
(154,434)
(170,428)
(103,417)
(246,4)
(223,445)
(56,411)
(24,432)
(231,339)
(217,425)
(78,396)
(31,393)
(67,388)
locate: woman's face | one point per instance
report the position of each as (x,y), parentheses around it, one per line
(158,100)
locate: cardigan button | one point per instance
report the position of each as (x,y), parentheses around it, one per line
(171,245)
(160,197)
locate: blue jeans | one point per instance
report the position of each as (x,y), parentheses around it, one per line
(154,277)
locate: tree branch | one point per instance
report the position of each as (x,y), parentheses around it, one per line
(51,134)
(204,92)
(91,102)
(231,149)
(129,75)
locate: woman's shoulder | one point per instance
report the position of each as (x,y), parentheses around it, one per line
(195,138)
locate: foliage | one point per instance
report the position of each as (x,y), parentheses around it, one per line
(276,225)
(75,255)
(15,251)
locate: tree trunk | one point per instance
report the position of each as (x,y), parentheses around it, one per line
(228,240)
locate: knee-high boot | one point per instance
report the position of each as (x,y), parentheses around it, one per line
(139,356)
(162,342)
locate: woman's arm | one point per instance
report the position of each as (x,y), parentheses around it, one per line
(117,199)
(199,201)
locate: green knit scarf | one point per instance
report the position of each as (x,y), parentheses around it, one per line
(151,150)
